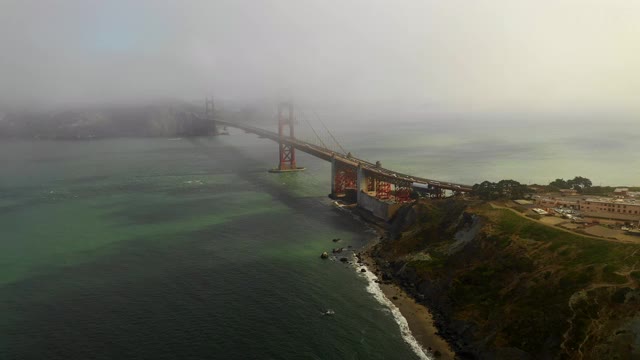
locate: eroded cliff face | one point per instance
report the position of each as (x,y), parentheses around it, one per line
(504,287)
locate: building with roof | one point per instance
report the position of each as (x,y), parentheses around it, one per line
(627,210)
(621,191)
(608,208)
(568,192)
(552,202)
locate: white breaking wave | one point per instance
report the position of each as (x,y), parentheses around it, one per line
(374,289)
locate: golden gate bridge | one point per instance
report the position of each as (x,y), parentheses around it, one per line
(352,178)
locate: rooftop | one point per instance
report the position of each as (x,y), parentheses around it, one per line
(599,199)
(613,200)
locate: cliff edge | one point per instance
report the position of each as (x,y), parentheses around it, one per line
(501,286)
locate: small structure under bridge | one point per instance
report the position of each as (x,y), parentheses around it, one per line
(370,185)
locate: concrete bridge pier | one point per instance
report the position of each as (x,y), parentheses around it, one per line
(343,180)
(361,184)
(381,209)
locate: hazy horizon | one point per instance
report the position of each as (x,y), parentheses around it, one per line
(526,57)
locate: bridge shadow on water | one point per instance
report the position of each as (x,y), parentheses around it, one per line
(249,169)
(159,295)
(128,212)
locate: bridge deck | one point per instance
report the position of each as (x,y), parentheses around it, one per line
(326,154)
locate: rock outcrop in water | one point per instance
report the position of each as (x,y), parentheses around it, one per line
(503,287)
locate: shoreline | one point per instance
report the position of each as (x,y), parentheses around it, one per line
(418,316)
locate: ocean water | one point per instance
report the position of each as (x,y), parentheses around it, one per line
(469,150)
(165,249)
(179,249)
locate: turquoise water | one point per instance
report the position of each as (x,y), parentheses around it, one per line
(164,249)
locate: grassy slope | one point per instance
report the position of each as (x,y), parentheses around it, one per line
(526,285)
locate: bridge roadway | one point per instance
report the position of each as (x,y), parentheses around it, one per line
(326,154)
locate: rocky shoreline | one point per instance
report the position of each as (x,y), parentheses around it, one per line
(447,329)
(499,286)
(419,317)
(426,319)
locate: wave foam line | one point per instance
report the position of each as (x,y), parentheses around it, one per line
(374,289)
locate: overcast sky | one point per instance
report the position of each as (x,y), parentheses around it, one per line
(477,55)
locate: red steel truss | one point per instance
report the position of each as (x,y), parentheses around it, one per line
(346,177)
(383,190)
(403,194)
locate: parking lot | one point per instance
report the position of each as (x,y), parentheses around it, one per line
(572,220)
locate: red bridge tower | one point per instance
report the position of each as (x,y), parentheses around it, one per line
(287,151)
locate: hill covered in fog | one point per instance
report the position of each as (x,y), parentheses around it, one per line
(150,120)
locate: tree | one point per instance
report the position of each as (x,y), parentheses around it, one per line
(579,183)
(511,189)
(486,190)
(559,184)
(503,189)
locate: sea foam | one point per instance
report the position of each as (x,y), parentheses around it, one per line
(374,289)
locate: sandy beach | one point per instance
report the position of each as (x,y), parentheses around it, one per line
(417,315)
(420,322)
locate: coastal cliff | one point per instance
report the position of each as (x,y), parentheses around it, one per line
(501,286)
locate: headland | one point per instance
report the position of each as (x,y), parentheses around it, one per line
(503,286)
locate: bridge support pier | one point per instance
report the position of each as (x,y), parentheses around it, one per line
(343,181)
(334,171)
(361,184)
(210,115)
(287,152)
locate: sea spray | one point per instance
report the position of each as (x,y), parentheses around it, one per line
(374,289)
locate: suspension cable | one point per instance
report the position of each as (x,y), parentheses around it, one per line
(312,129)
(330,134)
